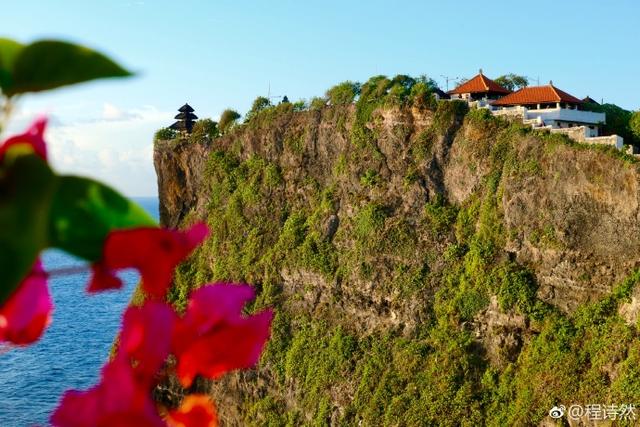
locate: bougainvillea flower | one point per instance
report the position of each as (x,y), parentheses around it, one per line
(103,279)
(34,136)
(146,337)
(196,410)
(27,312)
(211,305)
(214,338)
(118,400)
(154,252)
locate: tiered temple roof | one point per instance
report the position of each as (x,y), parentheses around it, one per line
(186,119)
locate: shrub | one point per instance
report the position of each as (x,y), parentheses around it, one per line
(300,105)
(228,118)
(370,220)
(259,104)
(401,86)
(317,103)
(421,96)
(205,128)
(375,88)
(371,178)
(634,124)
(164,134)
(343,93)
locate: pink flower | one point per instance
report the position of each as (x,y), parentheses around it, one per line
(196,410)
(118,400)
(214,337)
(155,252)
(146,337)
(34,137)
(27,312)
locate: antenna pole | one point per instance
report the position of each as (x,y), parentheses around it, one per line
(447,78)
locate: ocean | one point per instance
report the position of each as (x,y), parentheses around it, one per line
(72,350)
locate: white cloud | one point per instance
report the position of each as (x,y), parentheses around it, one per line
(115,146)
(112,113)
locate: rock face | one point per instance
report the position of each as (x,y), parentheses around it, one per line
(180,169)
(381,241)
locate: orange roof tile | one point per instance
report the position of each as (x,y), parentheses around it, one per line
(537,95)
(479,84)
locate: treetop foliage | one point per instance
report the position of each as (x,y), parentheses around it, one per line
(512,81)
(228,118)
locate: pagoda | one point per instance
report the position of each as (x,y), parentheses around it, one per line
(185,118)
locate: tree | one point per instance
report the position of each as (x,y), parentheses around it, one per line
(421,94)
(431,84)
(375,88)
(317,103)
(205,128)
(259,104)
(634,124)
(300,105)
(617,120)
(228,118)
(343,93)
(165,134)
(512,81)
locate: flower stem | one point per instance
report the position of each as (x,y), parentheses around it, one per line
(68,271)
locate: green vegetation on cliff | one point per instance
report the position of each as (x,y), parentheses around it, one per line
(397,305)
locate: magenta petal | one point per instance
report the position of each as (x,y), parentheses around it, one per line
(196,234)
(131,248)
(34,136)
(146,336)
(102,279)
(211,304)
(27,312)
(226,348)
(118,400)
(77,409)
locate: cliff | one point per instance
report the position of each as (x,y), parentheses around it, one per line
(427,266)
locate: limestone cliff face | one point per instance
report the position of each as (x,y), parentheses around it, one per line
(180,170)
(411,228)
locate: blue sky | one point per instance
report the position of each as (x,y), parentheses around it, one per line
(218,54)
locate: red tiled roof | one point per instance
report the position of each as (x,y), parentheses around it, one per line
(479,84)
(537,95)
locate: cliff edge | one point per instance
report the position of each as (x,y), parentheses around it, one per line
(427,266)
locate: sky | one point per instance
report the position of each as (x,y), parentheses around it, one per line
(218,54)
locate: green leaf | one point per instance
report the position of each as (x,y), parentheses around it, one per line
(84,211)
(50,64)
(9,50)
(27,185)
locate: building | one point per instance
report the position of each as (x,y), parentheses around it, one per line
(440,94)
(541,107)
(550,107)
(186,119)
(479,88)
(590,100)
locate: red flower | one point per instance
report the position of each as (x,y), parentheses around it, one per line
(196,410)
(27,312)
(214,338)
(118,400)
(146,337)
(155,252)
(33,137)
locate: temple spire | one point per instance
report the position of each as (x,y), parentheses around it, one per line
(185,118)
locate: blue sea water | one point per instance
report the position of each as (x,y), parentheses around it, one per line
(73,348)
